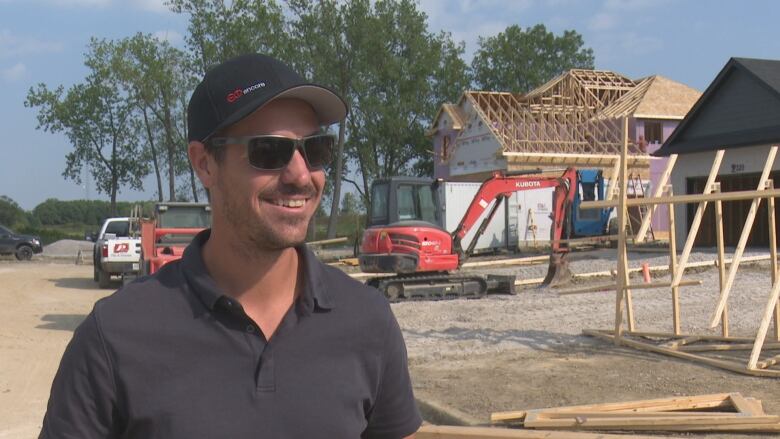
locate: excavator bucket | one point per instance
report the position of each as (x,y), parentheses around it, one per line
(558,273)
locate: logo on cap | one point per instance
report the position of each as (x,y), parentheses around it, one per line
(239,92)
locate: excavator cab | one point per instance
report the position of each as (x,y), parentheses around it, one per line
(398,199)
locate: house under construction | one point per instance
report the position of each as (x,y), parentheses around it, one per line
(572,120)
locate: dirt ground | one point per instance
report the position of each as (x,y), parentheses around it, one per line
(469,357)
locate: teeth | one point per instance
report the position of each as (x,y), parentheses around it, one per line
(290,203)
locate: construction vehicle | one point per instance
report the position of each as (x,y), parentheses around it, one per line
(164,238)
(403,236)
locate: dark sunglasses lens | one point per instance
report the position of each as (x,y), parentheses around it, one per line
(319,151)
(270,153)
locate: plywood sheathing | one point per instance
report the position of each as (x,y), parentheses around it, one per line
(655,97)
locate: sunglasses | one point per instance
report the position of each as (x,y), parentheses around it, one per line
(272,153)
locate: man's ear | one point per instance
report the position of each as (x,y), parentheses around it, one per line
(203,163)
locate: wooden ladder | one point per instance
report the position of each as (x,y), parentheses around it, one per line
(636,188)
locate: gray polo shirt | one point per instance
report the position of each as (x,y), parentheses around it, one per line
(169,356)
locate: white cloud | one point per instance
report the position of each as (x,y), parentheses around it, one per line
(171,36)
(17,71)
(602,21)
(152,5)
(15,45)
(69,3)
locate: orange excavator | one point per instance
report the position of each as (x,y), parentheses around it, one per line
(423,256)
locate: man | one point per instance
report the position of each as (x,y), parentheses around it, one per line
(248,335)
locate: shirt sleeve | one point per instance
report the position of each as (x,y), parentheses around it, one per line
(394,414)
(82,401)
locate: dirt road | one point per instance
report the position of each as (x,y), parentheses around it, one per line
(40,305)
(470,356)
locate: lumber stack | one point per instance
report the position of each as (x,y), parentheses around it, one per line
(722,412)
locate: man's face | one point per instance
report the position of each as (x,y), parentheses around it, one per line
(257,204)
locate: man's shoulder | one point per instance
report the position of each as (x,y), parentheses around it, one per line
(349,291)
(146,297)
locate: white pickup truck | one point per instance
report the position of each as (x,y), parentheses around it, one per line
(117,250)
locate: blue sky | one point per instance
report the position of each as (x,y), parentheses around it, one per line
(44,41)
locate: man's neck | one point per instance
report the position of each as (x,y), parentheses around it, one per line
(256,278)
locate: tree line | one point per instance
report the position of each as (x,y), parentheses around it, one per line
(127,119)
(54,212)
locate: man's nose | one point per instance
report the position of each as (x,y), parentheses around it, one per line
(297,171)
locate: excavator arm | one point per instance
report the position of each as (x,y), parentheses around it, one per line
(500,187)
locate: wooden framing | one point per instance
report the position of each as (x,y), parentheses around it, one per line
(564,115)
(456,432)
(726,353)
(718,412)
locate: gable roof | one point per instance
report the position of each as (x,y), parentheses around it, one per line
(741,107)
(655,97)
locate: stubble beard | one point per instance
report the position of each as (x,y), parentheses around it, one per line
(260,233)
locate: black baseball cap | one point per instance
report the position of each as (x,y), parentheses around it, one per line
(236,88)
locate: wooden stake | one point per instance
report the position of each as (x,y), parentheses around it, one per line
(622,214)
(721,259)
(770,184)
(613,179)
(724,294)
(658,190)
(764,326)
(673,265)
(694,230)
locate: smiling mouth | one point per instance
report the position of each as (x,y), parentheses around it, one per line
(289,203)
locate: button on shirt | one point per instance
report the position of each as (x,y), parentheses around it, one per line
(170,356)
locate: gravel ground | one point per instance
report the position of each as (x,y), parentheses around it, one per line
(67,248)
(527,351)
(539,318)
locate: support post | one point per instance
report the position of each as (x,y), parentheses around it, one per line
(721,258)
(770,204)
(673,264)
(751,216)
(622,292)
(694,230)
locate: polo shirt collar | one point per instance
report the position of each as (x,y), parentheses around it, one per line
(314,294)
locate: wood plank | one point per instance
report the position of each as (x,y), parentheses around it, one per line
(768,362)
(693,230)
(724,323)
(513,261)
(763,327)
(725,347)
(533,420)
(773,252)
(732,274)
(685,199)
(723,364)
(709,401)
(456,432)
(622,216)
(612,287)
(673,264)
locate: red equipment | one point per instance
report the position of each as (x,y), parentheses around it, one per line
(419,251)
(164,238)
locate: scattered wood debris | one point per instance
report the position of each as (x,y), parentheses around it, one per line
(722,412)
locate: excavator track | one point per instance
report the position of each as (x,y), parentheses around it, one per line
(441,286)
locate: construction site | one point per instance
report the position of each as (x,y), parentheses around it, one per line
(662,320)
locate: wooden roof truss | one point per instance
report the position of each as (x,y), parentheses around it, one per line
(563,115)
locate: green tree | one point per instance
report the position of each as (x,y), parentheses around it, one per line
(350,204)
(11,214)
(96,116)
(393,74)
(412,72)
(331,38)
(518,60)
(156,76)
(219,30)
